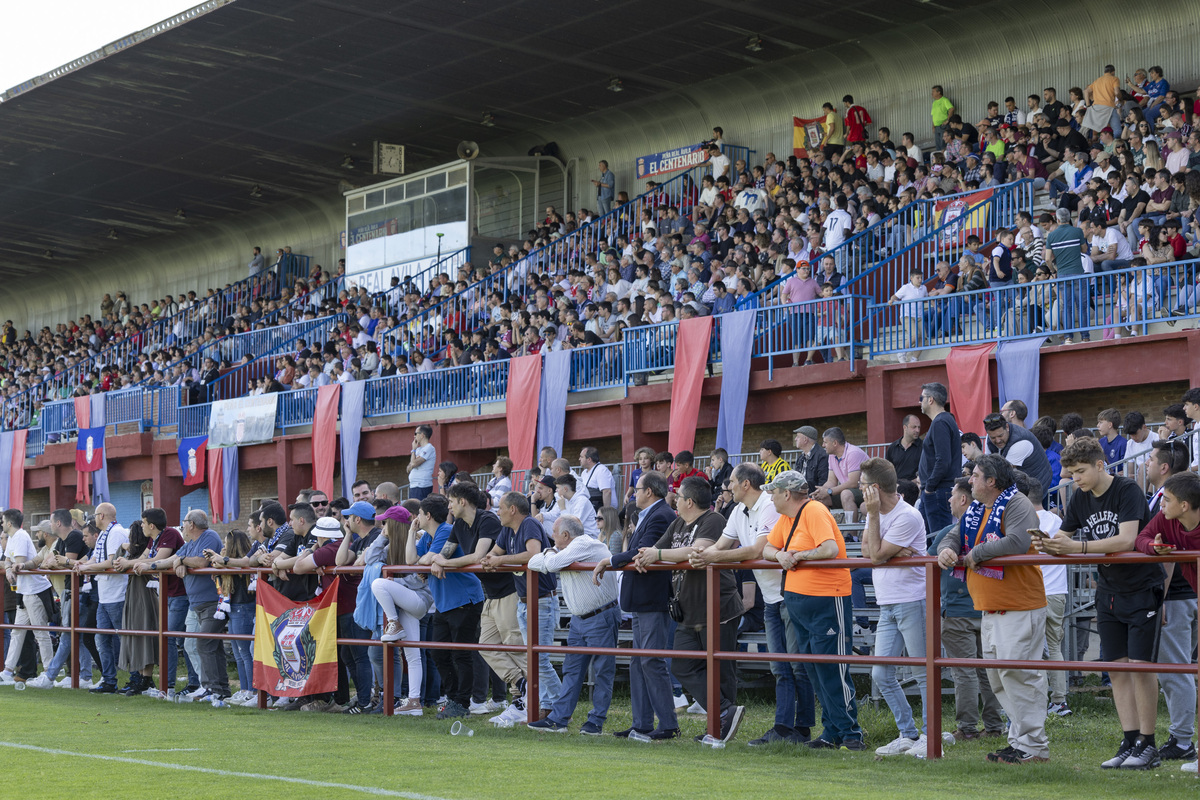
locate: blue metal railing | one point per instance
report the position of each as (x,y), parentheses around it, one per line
(125,406)
(58,417)
(390,299)
(1117,303)
(193,420)
(947,241)
(296,408)
(827,325)
(597,367)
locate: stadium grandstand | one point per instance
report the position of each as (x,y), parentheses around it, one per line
(267,255)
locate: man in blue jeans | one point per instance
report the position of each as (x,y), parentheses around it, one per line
(941,457)
(745,535)
(520,538)
(645,594)
(111,591)
(895,530)
(68,548)
(595,617)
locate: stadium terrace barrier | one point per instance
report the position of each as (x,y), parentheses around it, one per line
(1100,302)
(945,241)
(390,299)
(932,660)
(281,341)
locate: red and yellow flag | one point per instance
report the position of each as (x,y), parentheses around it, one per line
(295,644)
(806,133)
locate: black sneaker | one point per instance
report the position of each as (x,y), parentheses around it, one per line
(821,744)
(104,688)
(451,710)
(770,737)
(731,720)
(1144,756)
(1174,750)
(590,729)
(663,734)
(800,736)
(1016,756)
(1123,752)
(999,755)
(853,745)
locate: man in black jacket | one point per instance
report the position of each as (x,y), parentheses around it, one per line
(645,595)
(941,457)
(813,461)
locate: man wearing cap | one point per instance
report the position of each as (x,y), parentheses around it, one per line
(813,461)
(818,603)
(745,535)
(332,550)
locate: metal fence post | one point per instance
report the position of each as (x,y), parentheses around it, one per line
(74,630)
(712,643)
(532,623)
(163,620)
(933,649)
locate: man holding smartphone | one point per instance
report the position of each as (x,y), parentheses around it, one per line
(1108,512)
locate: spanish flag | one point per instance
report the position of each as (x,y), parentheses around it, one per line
(295,644)
(805,133)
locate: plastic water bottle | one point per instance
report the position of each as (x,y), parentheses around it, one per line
(153,694)
(638,736)
(19,686)
(502,723)
(217,702)
(182,697)
(948,737)
(714,743)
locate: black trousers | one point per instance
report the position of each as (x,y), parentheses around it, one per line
(457,667)
(693,672)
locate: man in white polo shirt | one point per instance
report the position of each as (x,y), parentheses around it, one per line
(595,478)
(111,590)
(749,524)
(36,594)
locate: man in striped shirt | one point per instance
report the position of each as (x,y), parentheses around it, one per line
(594,620)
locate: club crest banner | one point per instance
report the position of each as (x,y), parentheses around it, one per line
(295,644)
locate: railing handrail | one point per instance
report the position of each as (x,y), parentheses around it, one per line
(999,191)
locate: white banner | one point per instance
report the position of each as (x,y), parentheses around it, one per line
(246,420)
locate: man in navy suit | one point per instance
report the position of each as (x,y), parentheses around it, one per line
(645,595)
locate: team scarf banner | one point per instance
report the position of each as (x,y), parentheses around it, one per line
(295,644)
(672,160)
(806,133)
(192,452)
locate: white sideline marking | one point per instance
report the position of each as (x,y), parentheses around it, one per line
(165,750)
(225,773)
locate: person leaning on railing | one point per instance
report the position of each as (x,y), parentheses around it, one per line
(1012,599)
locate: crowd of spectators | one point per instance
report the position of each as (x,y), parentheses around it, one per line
(1117,487)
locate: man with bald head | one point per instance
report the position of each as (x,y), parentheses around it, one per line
(388,491)
(111,591)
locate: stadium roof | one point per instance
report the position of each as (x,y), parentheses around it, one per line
(245,104)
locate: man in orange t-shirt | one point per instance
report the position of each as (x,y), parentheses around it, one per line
(1101,97)
(817,602)
(1012,599)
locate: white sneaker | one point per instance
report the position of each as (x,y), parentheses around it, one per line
(513,713)
(40,682)
(476,709)
(680,701)
(696,708)
(1188,767)
(238,697)
(198,694)
(83,684)
(63,683)
(918,750)
(251,700)
(6,678)
(897,746)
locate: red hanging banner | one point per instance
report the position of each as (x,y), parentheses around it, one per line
(691,357)
(970,386)
(521,407)
(324,437)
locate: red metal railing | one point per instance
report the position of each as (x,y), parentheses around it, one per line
(933,661)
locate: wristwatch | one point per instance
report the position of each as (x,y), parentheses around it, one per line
(154,566)
(227,561)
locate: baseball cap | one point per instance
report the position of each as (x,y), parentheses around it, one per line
(787,481)
(43,526)
(362,509)
(807,430)
(398,513)
(328,528)
(549,481)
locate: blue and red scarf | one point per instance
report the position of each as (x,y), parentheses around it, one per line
(972,535)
